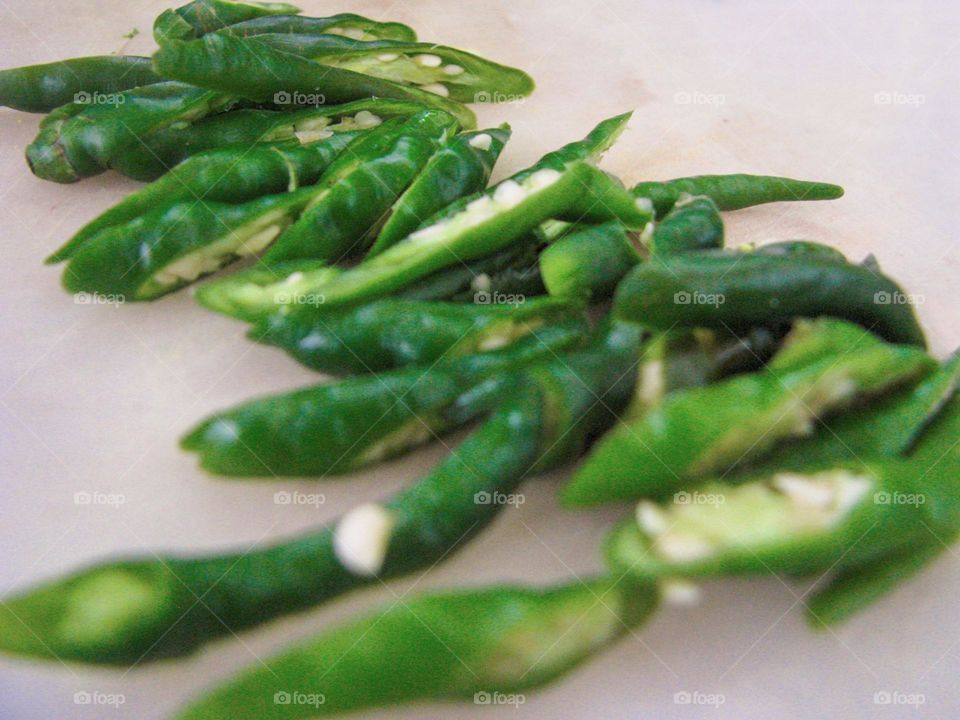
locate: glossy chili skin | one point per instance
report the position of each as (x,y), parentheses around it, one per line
(43,88)
(589,262)
(360,187)
(734,192)
(226,175)
(395,332)
(692,224)
(202,16)
(346,25)
(461,167)
(81,140)
(341,427)
(513,639)
(738,290)
(165,148)
(254,70)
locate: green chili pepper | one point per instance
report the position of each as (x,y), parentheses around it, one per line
(836,517)
(461,167)
(734,192)
(850,590)
(446,71)
(360,187)
(165,249)
(692,224)
(590,262)
(393,332)
(42,88)
(339,428)
(202,16)
(83,139)
(888,426)
(441,646)
(348,25)
(162,150)
(708,431)
(226,175)
(739,290)
(254,70)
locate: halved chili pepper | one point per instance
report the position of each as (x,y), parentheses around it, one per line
(163,149)
(347,25)
(254,70)
(838,516)
(461,167)
(589,262)
(42,88)
(734,192)
(443,70)
(339,428)
(394,332)
(81,140)
(360,187)
(695,434)
(487,644)
(202,16)
(739,290)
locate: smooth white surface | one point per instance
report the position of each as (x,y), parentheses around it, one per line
(94,398)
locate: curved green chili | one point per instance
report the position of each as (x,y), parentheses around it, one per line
(487,644)
(394,332)
(360,187)
(42,88)
(739,290)
(347,25)
(202,16)
(341,427)
(256,71)
(163,149)
(82,140)
(706,431)
(734,192)
(461,167)
(446,71)
(226,175)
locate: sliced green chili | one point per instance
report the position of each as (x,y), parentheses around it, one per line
(202,16)
(487,644)
(347,25)
(339,428)
(83,140)
(394,332)
(254,70)
(461,167)
(692,224)
(163,149)
(360,187)
(589,262)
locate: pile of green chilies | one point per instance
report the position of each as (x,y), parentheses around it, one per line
(764,410)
